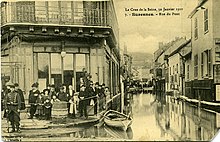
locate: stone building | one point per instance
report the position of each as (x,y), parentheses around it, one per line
(56,42)
(205,50)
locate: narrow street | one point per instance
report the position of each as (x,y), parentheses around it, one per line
(151,121)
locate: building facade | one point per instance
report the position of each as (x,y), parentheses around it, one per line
(168,68)
(205,50)
(176,63)
(56,42)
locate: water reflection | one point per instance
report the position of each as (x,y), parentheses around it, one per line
(100,132)
(173,120)
(154,121)
(185,121)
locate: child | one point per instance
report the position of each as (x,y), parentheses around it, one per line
(47,106)
(40,102)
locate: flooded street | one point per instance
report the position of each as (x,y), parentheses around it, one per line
(145,125)
(173,120)
(152,120)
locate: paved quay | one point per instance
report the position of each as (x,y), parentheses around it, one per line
(35,127)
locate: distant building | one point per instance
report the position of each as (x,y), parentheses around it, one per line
(205,51)
(176,65)
(167,64)
(56,42)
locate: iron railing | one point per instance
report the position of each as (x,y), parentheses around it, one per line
(54,15)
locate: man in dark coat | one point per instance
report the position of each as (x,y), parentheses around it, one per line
(13,106)
(33,94)
(83,102)
(91,93)
(20,92)
(97,93)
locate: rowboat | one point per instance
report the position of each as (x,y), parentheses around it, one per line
(117,119)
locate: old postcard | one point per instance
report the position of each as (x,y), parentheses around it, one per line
(110,70)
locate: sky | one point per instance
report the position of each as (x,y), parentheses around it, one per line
(143,33)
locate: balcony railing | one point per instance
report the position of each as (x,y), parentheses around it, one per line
(90,17)
(53,15)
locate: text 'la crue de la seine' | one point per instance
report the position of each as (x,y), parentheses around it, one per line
(153,11)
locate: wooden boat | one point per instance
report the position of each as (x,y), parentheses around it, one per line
(117,119)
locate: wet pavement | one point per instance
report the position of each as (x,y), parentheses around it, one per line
(152,121)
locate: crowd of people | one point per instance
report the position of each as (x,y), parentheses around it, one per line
(41,103)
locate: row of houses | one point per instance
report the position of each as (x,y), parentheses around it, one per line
(191,67)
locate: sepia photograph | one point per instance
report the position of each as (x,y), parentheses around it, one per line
(110,70)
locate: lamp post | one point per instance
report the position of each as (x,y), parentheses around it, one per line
(63,54)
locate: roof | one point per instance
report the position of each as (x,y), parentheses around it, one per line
(180,47)
(196,8)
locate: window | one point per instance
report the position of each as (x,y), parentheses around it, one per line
(77,7)
(176,68)
(202,64)
(80,62)
(68,72)
(196,29)
(206,22)
(209,67)
(43,70)
(25,11)
(175,77)
(56,71)
(170,71)
(66,11)
(54,11)
(217,53)
(196,66)
(173,69)
(41,11)
(187,76)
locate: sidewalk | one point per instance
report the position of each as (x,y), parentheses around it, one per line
(39,127)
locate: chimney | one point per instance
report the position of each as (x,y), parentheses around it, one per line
(160,45)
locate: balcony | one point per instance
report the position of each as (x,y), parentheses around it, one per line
(29,13)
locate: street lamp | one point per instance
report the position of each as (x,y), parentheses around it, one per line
(63,53)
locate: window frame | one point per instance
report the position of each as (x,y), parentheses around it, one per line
(206,21)
(196,66)
(202,64)
(196,32)
(209,63)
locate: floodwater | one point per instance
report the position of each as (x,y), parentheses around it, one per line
(152,121)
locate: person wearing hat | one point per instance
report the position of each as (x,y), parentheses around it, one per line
(52,92)
(5,91)
(62,96)
(13,107)
(20,92)
(83,101)
(47,89)
(33,95)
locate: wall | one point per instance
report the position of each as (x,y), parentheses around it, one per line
(216,19)
(204,40)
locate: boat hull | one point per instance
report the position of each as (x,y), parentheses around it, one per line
(122,124)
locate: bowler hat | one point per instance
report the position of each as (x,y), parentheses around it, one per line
(16,84)
(10,84)
(34,85)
